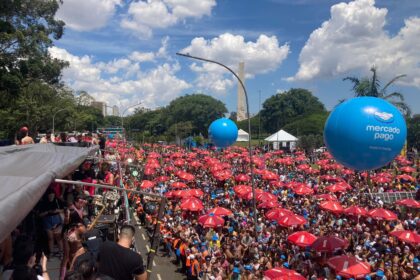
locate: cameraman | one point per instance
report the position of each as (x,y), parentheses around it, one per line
(25,262)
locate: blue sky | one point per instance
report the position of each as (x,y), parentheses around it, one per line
(123,52)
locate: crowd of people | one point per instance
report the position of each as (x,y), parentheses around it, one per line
(210,229)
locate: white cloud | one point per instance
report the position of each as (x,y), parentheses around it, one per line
(354,38)
(262,56)
(141,56)
(85,15)
(144,16)
(128,85)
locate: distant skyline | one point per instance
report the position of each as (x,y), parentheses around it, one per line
(123,52)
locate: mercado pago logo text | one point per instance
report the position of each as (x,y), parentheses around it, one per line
(383,132)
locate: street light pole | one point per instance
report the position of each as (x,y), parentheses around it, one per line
(53,124)
(122,115)
(249,127)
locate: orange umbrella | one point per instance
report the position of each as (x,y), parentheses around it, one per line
(407,236)
(191,204)
(356,211)
(349,267)
(332,206)
(302,238)
(409,203)
(382,214)
(220,211)
(329,244)
(146,184)
(211,221)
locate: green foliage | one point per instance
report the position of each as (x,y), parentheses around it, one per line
(199,109)
(26,31)
(413,132)
(372,87)
(255,126)
(310,142)
(184,116)
(306,125)
(284,108)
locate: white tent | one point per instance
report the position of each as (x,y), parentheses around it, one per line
(243,136)
(282,138)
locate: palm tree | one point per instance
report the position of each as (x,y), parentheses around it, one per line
(371,87)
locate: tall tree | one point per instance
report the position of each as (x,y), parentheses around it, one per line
(372,87)
(27,28)
(199,109)
(285,107)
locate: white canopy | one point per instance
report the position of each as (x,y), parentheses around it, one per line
(281,136)
(243,136)
(26,172)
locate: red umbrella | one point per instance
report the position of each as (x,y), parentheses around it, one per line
(349,267)
(302,238)
(186,176)
(242,189)
(249,195)
(303,190)
(407,236)
(329,244)
(405,177)
(326,197)
(265,196)
(381,180)
(281,273)
(211,221)
(169,194)
(162,179)
(149,171)
(356,211)
(336,188)
(242,178)
(347,172)
(195,164)
(409,203)
(146,184)
(270,176)
(220,211)
(303,167)
(178,185)
(191,204)
(196,192)
(408,169)
(291,220)
(277,213)
(268,204)
(332,206)
(382,214)
(179,162)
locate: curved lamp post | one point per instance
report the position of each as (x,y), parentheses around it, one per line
(122,115)
(249,127)
(53,124)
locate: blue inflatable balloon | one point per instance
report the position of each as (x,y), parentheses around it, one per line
(223,132)
(365,133)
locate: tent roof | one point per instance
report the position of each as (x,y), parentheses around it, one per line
(242,132)
(281,136)
(26,172)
